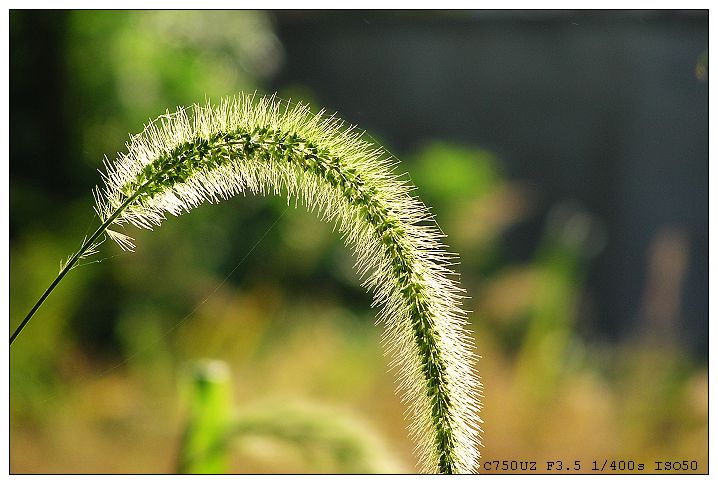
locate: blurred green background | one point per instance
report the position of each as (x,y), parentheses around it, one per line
(588,299)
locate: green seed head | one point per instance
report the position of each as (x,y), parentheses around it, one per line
(212,153)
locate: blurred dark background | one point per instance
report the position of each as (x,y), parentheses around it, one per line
(602,108)
(565,154)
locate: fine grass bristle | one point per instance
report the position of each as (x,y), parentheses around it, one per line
(243,145)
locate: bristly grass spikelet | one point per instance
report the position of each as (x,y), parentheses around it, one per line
(210,153)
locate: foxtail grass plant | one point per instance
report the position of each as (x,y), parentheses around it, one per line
(214,428)
(263,146)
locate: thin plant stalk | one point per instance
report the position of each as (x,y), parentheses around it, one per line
(88,247)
